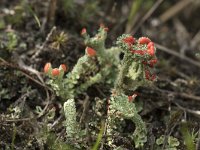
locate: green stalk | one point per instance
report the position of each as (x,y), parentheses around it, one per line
(122,73)
(99,138)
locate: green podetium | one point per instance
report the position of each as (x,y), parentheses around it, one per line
(71,124)
(97,65)
(107,58)
(121,107)
(137,64)
(100,64)
(135,70)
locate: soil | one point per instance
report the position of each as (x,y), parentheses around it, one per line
(28,34)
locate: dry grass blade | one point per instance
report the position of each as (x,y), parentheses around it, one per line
(172,123)
(195,112)
(175,9)
(182,95)
(173,52)
(148,14)
(182,36)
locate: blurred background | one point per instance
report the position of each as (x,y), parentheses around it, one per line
(33,32)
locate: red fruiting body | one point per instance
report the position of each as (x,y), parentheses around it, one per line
(147,74)
(140,52)
(129,40)
(90,51)
(153,77)
(55,72)
(150,45)
(106,29)
(144,40)
(130,98)
(152,62)
(64,67)
(144,62)
(83,31)
(47,67)
(151,51)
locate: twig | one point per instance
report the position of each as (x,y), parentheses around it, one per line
(23,71)
(26,73)
(148,14)
(173,52)
(17,120)
(51,11)
(183,95)
(179,6)
(172,123)
(56,122)
(20,102)
(100,91)
(44,44)
(32,70)
(195,112)
(85,108)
